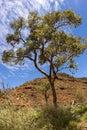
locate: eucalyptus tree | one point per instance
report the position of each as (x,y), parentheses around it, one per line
(44,39)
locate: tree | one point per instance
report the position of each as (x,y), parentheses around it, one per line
(43,39)
(44,88)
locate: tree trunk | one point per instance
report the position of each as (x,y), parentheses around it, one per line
(46,98)
(54,94)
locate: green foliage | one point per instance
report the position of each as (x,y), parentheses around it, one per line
(43,88)
(23,119)
(46,40)
(43,85)
(84,117)
(57,119)
(72,18)
(79,113)
(7,56)
(48,118)
(79,110)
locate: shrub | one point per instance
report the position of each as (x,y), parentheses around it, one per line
(23,119)
(48,118)
(79,110)
(84,117)
(57,119)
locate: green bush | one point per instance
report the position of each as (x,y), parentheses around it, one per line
(84,117)
(57,119)
(81,109)
(23,119)
(47,118)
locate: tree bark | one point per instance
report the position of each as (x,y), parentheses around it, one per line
(53,93)
(46,98)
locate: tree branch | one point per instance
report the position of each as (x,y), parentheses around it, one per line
(36,65)
(30,58)
(65,23)
(43,54)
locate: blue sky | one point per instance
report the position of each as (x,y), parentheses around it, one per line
(12,9)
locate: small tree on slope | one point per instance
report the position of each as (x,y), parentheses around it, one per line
(42,39)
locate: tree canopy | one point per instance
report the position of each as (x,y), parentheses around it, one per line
(43,39)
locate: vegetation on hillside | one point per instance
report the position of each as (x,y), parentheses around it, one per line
(18,113)
(46,118)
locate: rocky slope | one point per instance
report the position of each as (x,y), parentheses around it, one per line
(70,91)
